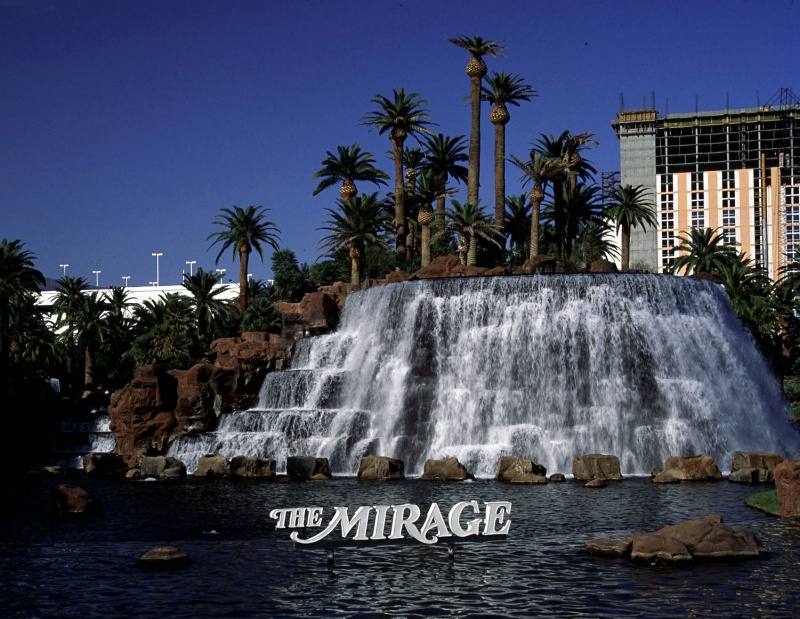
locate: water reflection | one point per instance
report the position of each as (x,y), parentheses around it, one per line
(85,567)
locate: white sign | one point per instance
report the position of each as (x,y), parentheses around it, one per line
(386,523)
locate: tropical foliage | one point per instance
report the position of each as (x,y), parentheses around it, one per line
(244,230)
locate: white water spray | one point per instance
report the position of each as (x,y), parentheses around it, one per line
(544,367)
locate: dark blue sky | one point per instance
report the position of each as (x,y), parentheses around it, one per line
(126,125)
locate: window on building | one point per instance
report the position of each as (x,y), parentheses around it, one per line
(698,219)
(666,201)
(668,240)
(698,200)
(728,199)
(728,179)
(728,218)
(729,236)
(792,195)
(697,181)
(667,183)
(667,220)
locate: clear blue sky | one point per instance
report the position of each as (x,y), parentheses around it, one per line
(126,125)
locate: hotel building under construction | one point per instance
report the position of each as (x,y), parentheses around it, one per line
(737,171)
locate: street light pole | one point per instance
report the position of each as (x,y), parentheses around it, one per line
(126,278)
(64,266)
(191,264)
(97,278)
(158,280)
(221,273)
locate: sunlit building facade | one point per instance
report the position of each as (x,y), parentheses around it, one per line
(736,171)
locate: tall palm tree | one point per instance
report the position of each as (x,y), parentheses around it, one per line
(539,170)
(400,116)
(356,225)
(444,156)
(470,223)
(501,90)
(17,279)
(348,166)
(476,70)
(630,207)
(209,309)
(244,230)
(703,250)
(412,160)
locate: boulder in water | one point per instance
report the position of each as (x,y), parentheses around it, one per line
(511,467)
(380,468)
(449,469)
(596,466)
(104,465)
(305,468)
(689,468)
(249,466)
(212,466)
(163,558)
(705,538)
(758,464)
(161,467)
(69,499)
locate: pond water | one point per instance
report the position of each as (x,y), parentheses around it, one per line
(243,567)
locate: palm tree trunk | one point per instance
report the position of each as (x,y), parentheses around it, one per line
(399,203)
(625,243)
(472,253)
(88,363)
(244,258)
(355,263)
(500,176)
(463,248)
(474,164)
(536,204)
(425,250)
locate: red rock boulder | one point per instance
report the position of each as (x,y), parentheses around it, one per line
(787,485)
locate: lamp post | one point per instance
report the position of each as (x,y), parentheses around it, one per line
(191,264)
(126,278)
(97,278)
(221,273)
(158,280)
(64,266)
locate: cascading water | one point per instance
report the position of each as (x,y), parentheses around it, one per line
(544,366)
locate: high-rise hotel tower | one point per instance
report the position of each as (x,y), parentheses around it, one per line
(737,171)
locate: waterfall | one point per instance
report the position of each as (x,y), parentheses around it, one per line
(544,366)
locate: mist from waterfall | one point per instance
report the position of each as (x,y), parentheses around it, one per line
(543,366)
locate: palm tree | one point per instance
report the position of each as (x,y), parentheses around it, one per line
(476,70)
(66,306)
(470,223)
(356,225)
(17,279)
(351,164)
(430,188)
(703,251)
(568,148)
(444,156)
(244,230)
(164,327)
(401,116)
(209,309)
(501,90)
(87,324)
(630,208)
(539,170)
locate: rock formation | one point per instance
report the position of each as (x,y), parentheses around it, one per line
(706,538)
(596,466)
(787,485)
(689,468)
